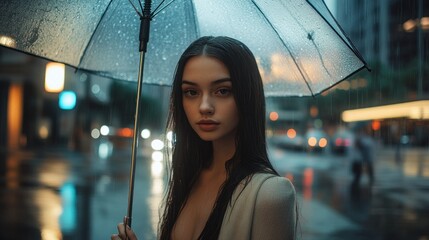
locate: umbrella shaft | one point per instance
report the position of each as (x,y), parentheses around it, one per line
(135,140)
(145,26)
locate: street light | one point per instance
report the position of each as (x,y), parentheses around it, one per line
(54,78)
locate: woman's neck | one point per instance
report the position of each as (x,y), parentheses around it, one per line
(222,152)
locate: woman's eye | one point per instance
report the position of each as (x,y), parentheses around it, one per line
(223,92)
(190,92)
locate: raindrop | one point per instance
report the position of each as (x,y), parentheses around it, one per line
(95,89)
(164,58)
(83,77)
(34,36)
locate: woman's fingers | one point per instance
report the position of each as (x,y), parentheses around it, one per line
(115,237)
(122,235)
(131,235)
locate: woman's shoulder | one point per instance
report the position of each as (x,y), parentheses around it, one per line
(275,210)
(273,186)
(263,205)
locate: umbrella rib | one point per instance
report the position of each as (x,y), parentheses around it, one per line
(196,24)
(92,36)
(159,5)
(287,48)
(137,11)
(155,12)
(352,47)
(141,6)
(311,38)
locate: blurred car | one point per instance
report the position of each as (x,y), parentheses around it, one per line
(343,141)
(316,140)
(290,141)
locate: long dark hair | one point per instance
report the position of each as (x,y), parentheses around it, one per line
(190,154)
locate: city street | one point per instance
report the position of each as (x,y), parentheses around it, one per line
(60,194)
(341,87)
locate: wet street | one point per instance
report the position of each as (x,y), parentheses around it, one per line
(396,206)
(61,194)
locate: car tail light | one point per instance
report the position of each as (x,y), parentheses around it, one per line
(338,142)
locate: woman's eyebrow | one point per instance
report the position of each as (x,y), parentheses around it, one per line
(188,82)
(219,81)
(222,80)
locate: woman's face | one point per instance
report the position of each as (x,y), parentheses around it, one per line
(208,100)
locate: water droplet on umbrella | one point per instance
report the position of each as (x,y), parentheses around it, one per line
(34,36)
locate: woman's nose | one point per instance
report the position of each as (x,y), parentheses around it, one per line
(206,105)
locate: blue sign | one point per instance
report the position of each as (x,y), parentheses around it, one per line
(67,100)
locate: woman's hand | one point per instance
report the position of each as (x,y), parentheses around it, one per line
(124,232)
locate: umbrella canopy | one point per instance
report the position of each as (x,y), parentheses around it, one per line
(300,48)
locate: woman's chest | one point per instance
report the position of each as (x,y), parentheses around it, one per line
(195,213)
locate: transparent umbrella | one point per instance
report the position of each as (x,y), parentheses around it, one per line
(300,48)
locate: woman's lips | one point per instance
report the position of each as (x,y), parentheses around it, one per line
(208,125)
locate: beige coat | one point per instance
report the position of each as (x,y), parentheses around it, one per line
(265,209)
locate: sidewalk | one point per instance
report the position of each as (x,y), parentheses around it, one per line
(411,171)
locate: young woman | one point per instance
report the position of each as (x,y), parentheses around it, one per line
(222,184)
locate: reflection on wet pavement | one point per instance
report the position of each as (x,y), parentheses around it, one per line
(396,206)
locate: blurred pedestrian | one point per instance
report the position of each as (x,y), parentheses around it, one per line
(222,184)
(364,145)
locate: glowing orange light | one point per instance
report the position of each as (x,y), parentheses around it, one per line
(125,132)
(323,142)
(424,23)
(314,111)
(375,125)
(291,133)
(307,182)
(312,141)
(409,25)
(308,177)
(274,116)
